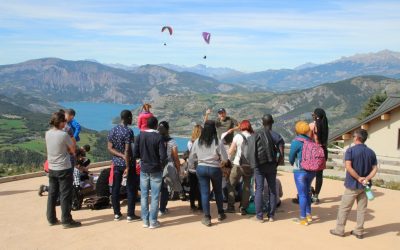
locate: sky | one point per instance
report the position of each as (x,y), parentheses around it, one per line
(246,35)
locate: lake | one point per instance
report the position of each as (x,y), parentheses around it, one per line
(99,116)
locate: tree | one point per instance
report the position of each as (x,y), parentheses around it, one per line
(372,105)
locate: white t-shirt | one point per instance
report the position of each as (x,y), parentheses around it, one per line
(238,140)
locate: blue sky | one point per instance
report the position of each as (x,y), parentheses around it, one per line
(245,35)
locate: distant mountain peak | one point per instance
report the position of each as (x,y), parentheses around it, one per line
(306,65)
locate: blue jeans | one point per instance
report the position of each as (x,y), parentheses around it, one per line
(131,189)
(206,174)
(303,181)
(259,177)
(151,181)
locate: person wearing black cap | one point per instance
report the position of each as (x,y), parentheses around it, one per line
(265,152)
(224,124)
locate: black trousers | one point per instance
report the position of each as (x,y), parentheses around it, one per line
(194,193)
(60,184)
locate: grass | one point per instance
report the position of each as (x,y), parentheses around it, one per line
(37,145)
(8,124)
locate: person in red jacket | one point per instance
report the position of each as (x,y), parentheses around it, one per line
(143,116)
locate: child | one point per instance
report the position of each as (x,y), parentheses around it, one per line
(143,116)
(73,124)
(81,172)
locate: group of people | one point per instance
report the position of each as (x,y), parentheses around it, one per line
(226,154)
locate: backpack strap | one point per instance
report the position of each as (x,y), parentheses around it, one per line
(244,137)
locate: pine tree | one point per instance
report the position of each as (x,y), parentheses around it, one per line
(372,105)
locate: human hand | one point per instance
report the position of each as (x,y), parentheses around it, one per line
(208,111)
(125,172)
(361,180)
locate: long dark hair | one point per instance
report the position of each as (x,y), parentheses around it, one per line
(208,134)
(321,123)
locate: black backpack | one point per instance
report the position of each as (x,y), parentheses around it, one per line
(243,156)
(266,149)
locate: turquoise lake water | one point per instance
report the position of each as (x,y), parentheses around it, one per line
(99,116)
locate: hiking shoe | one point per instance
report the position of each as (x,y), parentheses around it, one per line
(155,225)
(309,218)
(41,190)
(221,217)
(301,221)
(243,211)
(160,213)
(206,221)
(358,236)
(255,218)
(72,224)
(132,218)
(117,217)
(333,232)
(230,210)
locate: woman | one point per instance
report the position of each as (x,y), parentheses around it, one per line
(171,170)
(319,133)
(59,146)
(209,153)
(143,116)
(302,177)
(194,193)
(241,168)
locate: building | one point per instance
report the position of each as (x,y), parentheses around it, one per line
(383,127)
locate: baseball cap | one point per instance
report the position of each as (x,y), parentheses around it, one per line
(221,110)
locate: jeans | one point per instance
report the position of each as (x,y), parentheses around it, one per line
(194,193)
(206,174)
(149,181)
(303,181)
(60,184)
(236,173)
(259,176)
(164,196)
(348,198)
(131,188)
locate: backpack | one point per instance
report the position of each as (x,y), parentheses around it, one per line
(243,161)
(312,155)
(97,203)
(268,152)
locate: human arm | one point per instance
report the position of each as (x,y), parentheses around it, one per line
(208,112)
(232,149)
(175,157)
(294,149)
(162,150)
(372,174)
(139,121)
(353,173)
(71,145)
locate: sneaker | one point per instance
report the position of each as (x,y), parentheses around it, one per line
(358,236)
(145,224)
(333,232)
(160,213)
(117,217)
(221,217)
(132,218)
(255,218)
(316,201)
(295,200)
(206,221)
(243,211)
(301,221)
(72,224)
(41,190)
(155,225)
(54,223)
(230,210)
(271,219)
(309,218)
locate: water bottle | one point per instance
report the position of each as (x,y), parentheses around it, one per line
(368,192)
(124,180)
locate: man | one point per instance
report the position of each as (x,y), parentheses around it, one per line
(59,147)
(119,142)
(361,166)
(224,123)
(266,151)
(150,148)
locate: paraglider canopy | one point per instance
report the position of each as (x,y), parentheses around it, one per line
(206,37)
(167,28)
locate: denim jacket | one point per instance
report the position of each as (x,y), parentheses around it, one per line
(296,152)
